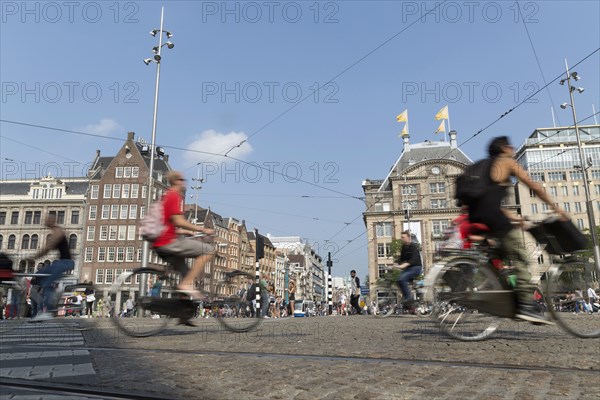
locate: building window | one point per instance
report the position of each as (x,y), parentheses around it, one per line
(577,206)
(99,275)
(103,232)
(107,191)
(597,189)
(531,193)
(409,190)
(91,232)
(378,207)
(14,218)
(34,242)
(567,207)
(120,254)
(89,254)
(105,211)
(383,229)
(144,191)
(576,175)
(101,254)
(437,187)
(135,172)
(127,172)
(534,208)
(439,226)
(438,203)
(596,174)
(111,254)
(25,242)
(124,209)
(384,249)
(125,191)
(73,241)
(381,270)
(28,217)
(410,204)
(135,187)
(139,256)
(114,211)
(545,207)
(94,192)
(130,253)
(75,217)
(133,211)
(2,217)
(93,212)
(122,232)
(553,191)
(112,232)
(557,176)
(537,176)
(131,232)
(576,190)
(116,191)
(142,212)
(565,191)
(11,242)
(580,224)
(119,172)
(60,217)
(1,241)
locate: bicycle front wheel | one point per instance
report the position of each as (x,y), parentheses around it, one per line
(456,317)
(233,311)
(134,294)
(568,300)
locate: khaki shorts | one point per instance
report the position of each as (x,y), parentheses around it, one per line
(180,249)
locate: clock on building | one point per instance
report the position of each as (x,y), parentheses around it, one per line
(435,170)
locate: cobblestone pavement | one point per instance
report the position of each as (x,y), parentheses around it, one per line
(358,357)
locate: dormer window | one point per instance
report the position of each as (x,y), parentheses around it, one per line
(411,161)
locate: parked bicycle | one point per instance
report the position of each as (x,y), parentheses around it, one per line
(157,305)
(472,294)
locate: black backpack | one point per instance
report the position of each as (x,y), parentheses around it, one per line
(473,182)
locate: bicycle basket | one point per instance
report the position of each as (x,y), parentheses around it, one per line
(560,237)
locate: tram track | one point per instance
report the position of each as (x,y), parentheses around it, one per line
(337,358)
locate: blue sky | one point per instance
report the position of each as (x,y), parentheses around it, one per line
(379,57)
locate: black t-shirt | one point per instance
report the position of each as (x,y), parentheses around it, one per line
(410,254)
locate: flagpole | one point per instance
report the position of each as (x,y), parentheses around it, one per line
(445,139)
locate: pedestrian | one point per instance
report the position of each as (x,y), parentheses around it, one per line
(343,304)
(487,209)
(355,292)
(292,297)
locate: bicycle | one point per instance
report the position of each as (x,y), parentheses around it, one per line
(472,294)
(157,304)
(390,302)
(66,312)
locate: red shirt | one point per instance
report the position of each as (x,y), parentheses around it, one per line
(172,205)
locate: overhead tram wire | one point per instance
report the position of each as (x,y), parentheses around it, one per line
(537,59)
(37,148)
(355,63)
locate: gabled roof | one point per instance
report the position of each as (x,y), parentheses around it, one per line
(421,152)
(21,188)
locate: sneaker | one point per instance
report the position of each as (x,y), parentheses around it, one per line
(45,316)
(528,312)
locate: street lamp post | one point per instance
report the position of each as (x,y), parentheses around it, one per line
(197,187)
(157,58)
(586,184)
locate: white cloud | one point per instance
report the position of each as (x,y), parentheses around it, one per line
(106,127)
(211,141)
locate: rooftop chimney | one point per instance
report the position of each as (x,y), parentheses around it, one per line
(452,139)
(130,135)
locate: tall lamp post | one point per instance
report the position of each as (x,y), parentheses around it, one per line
(157,59)
(582,161)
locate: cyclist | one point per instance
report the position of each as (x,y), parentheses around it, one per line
(56,241)
(168,243)
(489,211)
(409,262)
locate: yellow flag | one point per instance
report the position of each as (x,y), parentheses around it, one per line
(404,132)
(441,128)
(442,114)
(402,117)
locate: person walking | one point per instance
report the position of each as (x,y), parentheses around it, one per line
(355,291)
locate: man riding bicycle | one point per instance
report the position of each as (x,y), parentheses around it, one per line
(169,244)
(56,241)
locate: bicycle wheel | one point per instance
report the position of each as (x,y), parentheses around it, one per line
(145,318)
(455,316)
(233,310)
(568,301)
(387,301)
